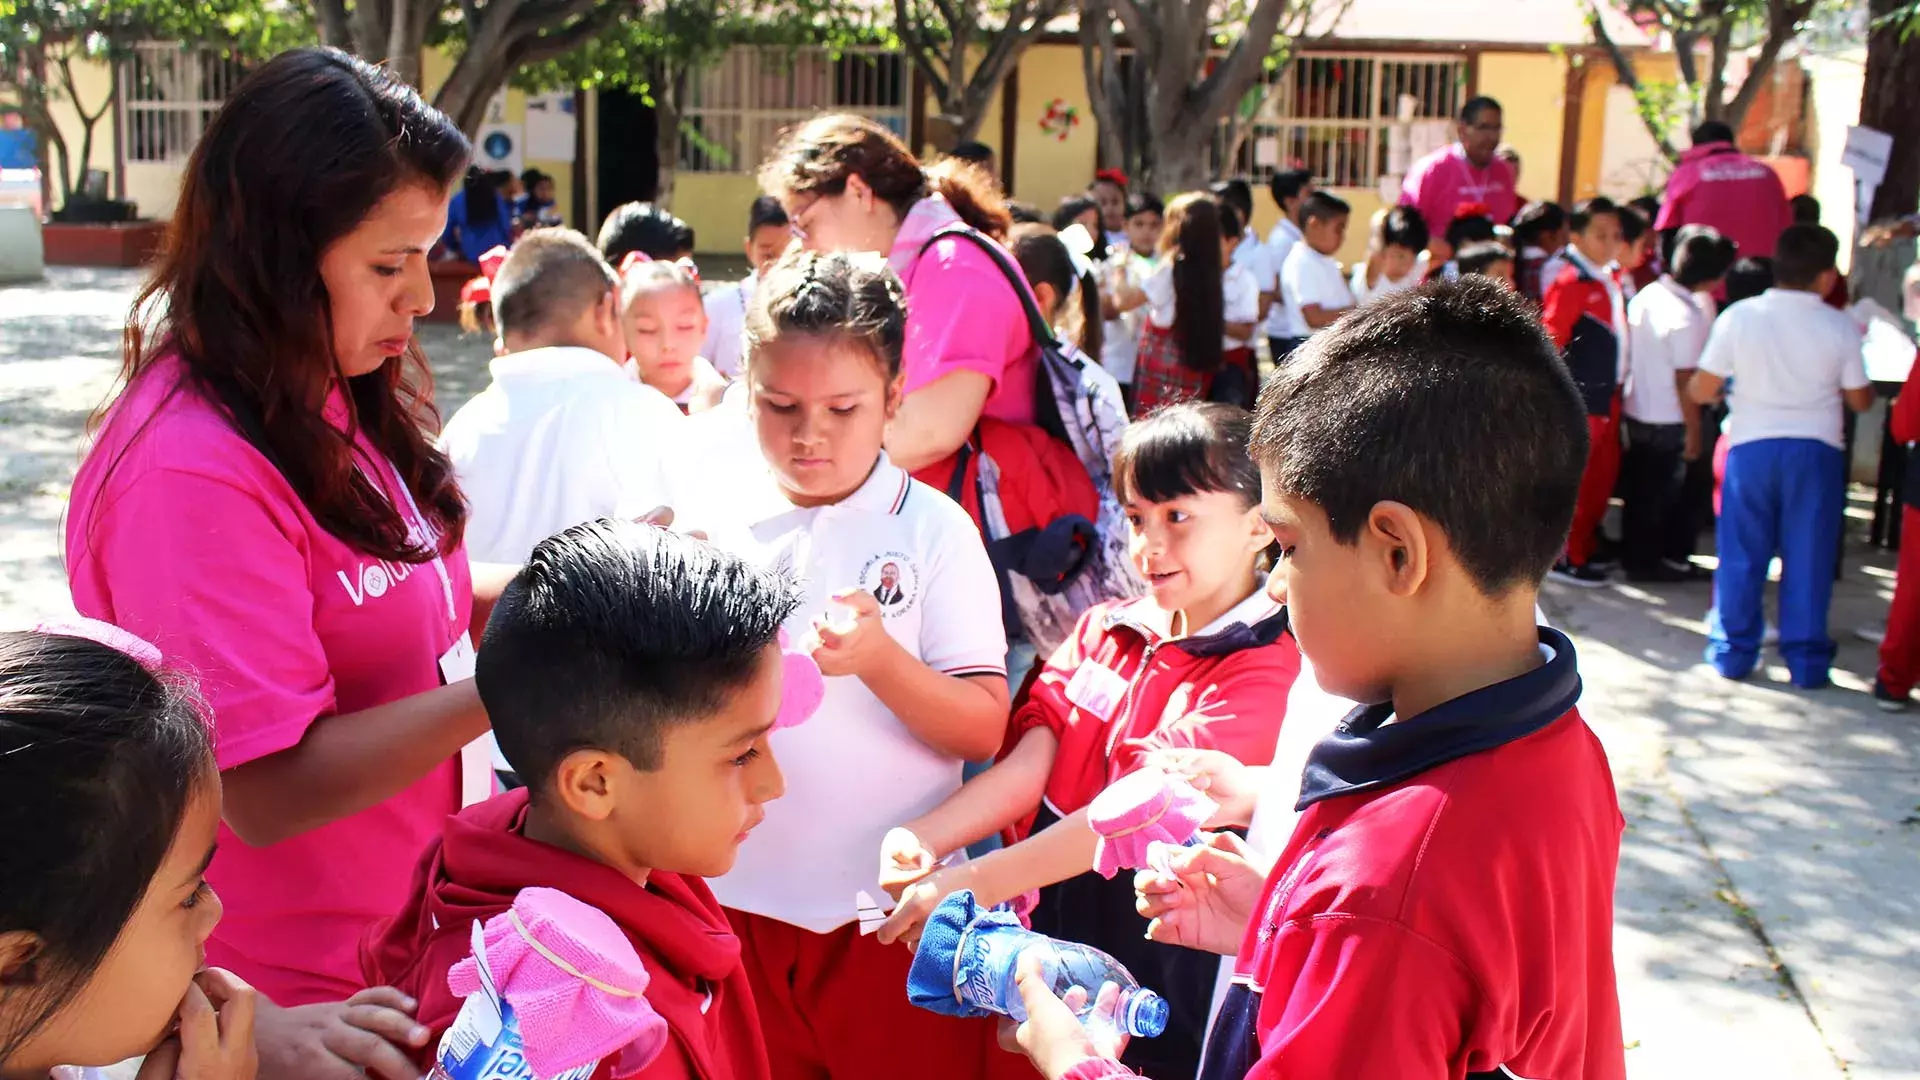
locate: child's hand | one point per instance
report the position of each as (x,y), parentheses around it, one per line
(1053,1037)
(917,902)
(1235,786)
(903,861)
(851,648)
(215,1037)
(371,1034)
(1209,898)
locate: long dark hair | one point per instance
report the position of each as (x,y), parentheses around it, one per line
(300,155)
(818,157)
(482,191)
(99,760)
(1044,258)
(1192,240)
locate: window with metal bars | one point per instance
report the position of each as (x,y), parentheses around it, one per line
(736,109)
(1343,115)
(168,93)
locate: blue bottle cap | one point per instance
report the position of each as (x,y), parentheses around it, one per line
(1146,1014)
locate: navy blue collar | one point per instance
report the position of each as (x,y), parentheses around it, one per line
(1365,752)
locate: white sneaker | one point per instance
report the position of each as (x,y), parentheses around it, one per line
(1872,635)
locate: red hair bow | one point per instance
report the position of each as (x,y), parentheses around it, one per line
(479,290)
(1113,176)
(1472,210)
(641,258)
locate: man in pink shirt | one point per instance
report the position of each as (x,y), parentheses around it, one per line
(1466,172)
(1717,185)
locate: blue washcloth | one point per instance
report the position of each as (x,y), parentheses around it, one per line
(934,976)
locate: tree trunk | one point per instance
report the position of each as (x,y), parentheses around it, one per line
(666,115)
(1888,102)
(1101,68)
(1182,160)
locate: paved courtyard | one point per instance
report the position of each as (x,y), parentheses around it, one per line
(1769,900)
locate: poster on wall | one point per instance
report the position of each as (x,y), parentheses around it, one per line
(551,126)
(499,147)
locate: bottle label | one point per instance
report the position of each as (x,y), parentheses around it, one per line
(484,1044)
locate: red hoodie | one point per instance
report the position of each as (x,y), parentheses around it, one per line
(1120,689)
(482,862)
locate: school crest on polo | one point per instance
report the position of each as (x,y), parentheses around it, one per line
(893,580)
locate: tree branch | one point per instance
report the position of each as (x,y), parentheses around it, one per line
(544,47)
(914,40)
(1139,27)
(333,23)
(1783,23)
(1624,71)
(1232,76)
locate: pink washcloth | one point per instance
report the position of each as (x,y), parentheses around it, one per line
(1138,809)
(803,689)
(574,982)
(142,651)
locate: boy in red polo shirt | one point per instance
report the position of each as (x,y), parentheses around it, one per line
(632,676)
(1445,906)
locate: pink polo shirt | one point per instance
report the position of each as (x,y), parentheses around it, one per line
(1715,184)
(1439,183)
(962,315)
(183,533)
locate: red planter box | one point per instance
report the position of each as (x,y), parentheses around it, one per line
(448,277)
(126,244)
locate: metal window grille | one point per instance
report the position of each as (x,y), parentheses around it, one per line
(1336,114)
(737,108)
(168,94)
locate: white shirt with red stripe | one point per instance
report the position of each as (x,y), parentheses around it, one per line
(854,770)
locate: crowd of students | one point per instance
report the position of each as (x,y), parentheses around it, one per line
(270,514)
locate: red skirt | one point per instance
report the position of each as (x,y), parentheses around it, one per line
(1160,377)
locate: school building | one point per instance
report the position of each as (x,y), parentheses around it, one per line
(1370,87)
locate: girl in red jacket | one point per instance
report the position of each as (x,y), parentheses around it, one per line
(1203,661)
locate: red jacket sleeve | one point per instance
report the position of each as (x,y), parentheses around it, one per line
(1046,704)
(1906,408)
(1361,999)
(1238,711)
(1565,298)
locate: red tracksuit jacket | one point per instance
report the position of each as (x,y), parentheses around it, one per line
(1445,907)
(1224,691)
(1578,314)
(482,862)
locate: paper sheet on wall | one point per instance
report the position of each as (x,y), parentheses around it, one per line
(1885,348)
(551,126)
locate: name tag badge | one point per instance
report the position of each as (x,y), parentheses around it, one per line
(1097,690)
(476,758)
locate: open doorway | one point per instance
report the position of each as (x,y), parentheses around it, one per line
(629,152)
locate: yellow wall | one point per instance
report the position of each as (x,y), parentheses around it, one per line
(1364,201)
(716,205)
(436,65)
(1531,89)
(1045,170)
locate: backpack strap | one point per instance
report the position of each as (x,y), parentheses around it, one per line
(1016,278)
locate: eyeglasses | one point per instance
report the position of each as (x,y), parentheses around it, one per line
(797,221)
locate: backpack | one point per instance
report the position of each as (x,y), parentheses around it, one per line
(1042,495)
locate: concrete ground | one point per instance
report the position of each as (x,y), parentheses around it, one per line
(1768,925)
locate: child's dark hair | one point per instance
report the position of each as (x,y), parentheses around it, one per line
(645,228)
(1045,259)
(549,278)
(1805,209)
(1404,227)
(1323,206)
(1701,255)
(840,294)
(529,178)
(1648,205)
(1749,278)
(1071,209)
(1802,254)
(1237,194)
(1186,449)
(1192,238)
(1469,229)
(615,631)
(1024,214)
(1533,224)
(1231,222)
(1586,210)
(1287,184)
(1633,225)
(973,152)
(1448,398)
(766,212)
(819,156)
(1143,203)
(100,759)
(1481,257)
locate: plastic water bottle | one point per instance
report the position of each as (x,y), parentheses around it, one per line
(989,956)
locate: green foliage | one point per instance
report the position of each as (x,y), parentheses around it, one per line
(1667,109)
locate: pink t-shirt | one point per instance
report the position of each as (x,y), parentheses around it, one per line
(183,533)
(1439,183)
(1715,184)
(961,313)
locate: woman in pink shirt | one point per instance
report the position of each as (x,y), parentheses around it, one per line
(849,184)
(263,503)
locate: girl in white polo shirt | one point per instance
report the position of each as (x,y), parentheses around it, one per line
(903,612)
